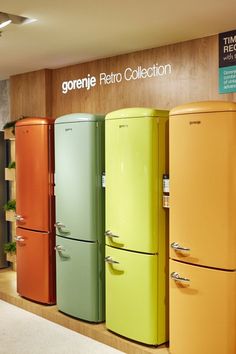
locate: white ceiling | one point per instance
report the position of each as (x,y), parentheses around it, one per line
(74,31)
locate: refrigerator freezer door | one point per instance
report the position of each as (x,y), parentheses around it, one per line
(79,279)
(35,266)
(132,183)
(34,177)
(132,298)
(79,194)
(203,189)
(202,310)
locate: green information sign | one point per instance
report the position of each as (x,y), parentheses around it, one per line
(227,79)
(227,62)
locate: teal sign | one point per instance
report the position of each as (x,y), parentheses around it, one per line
(227,79)
(227,62)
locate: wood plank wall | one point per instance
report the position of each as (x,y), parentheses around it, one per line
(194,77)
(30,94)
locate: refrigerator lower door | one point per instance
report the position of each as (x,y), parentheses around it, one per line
(132,296)
(35,266)
(79,279)
(202,310)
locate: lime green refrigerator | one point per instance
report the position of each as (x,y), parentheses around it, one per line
(136,158)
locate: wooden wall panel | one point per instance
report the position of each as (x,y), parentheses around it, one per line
(30,94)
(194,77)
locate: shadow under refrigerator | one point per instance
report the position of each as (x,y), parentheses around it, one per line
(35,212)
(136,224)
(203,228)
(3,199)
(79,164)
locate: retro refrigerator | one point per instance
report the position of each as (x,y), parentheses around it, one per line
(79,165)
(3,197)
(35,212)
(136,224)
(203,228)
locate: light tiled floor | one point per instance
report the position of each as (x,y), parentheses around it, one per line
(96,331)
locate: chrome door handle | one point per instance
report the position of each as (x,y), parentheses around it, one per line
(176,277)
(177,247)
(59,248)
(108,233)
(109,260)
(19,239)
(19,217)
(59,225)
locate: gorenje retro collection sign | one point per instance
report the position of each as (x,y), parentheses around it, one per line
(128,74)
(227,62)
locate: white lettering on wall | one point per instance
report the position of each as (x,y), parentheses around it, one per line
(142,73)
(112,78)
(85,82)
(129,74)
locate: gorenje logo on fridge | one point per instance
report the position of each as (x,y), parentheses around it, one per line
(194,122)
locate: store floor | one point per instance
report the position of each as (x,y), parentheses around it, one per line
(23,332)
(95,331)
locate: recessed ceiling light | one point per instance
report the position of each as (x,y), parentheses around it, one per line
(4,20)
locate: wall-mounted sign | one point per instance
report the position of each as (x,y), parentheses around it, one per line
(128,74)
(227,62)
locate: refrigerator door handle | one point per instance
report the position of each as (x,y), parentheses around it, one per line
(59,225)
(176,277)
(108,233)
(109,260)
(59,248)
(177,247)
(19,217)
(19,239)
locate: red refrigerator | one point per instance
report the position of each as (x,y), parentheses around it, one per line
(35,212)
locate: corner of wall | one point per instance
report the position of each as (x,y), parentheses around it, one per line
(4,103)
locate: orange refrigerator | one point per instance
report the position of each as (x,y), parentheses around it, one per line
(203,228)
(35,212)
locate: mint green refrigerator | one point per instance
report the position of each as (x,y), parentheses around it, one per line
(79,165)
